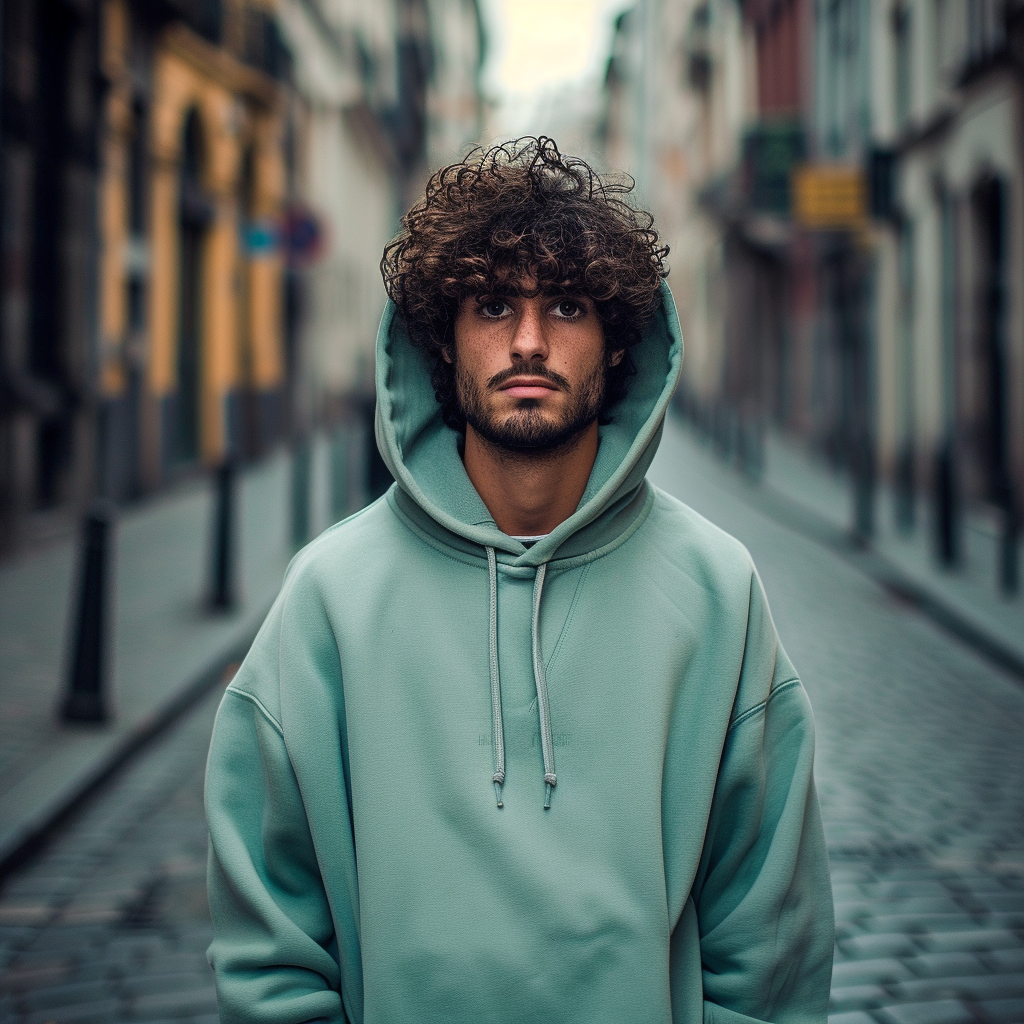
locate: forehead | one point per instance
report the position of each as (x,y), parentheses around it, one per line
(527,286)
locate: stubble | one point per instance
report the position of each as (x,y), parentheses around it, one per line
(527,431)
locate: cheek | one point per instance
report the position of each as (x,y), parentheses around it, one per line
(479,358)
(594,359)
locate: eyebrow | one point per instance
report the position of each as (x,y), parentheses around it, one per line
(547,293)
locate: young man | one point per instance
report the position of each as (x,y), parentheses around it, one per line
(518,742)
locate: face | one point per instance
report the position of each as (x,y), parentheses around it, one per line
(530,370)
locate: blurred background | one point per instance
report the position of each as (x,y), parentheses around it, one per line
(194,197)
(196,194)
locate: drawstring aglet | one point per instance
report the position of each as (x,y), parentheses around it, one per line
(499,781)
(549,784)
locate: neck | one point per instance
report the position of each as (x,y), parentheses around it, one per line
(529,494)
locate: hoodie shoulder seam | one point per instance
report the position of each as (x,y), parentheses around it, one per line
(751,712)
(260,706)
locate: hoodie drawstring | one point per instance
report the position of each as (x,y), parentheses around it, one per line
(541,684)
(497,726)
(539,681)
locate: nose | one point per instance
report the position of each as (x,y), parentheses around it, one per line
(529,342)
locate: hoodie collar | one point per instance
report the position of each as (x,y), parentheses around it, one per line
(432,484)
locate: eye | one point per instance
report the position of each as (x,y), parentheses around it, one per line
(495,309)
(568,309)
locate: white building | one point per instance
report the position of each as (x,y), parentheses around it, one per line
(391,89)
(947,102)
(680,96)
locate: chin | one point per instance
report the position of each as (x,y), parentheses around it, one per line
(532,434)
(529,419)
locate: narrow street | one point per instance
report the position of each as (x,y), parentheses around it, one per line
(110,921)
(920,775)
(919,772)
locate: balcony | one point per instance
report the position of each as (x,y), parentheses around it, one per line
(246,30)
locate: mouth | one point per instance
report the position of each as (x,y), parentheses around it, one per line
(528,387)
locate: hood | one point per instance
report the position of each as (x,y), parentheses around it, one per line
(435,491)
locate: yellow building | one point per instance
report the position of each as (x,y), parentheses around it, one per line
(191,266)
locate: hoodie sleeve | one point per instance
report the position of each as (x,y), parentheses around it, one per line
(273,952)
(763,895)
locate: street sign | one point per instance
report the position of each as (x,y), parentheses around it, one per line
(261,238)
(829,197)
(298,234)
(303,234)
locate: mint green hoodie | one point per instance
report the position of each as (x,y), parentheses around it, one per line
(381,849)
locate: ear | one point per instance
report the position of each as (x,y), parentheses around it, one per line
(614,358)
(446,354)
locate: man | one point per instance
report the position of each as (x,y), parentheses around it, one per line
(518,742)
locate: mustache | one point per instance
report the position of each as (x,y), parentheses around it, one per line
(532,371)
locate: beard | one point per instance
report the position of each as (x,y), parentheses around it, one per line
(527,430)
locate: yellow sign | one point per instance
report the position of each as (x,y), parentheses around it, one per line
(829,197)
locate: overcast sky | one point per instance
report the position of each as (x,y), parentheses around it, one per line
(537,46)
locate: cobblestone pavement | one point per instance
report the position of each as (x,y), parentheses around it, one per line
(110,922)
(920,774)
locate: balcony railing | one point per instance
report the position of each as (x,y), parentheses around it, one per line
(205,17)
(246,29)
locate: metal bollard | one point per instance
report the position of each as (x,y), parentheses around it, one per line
(1009,571)
(750,456)
(302,457)
(84,700)
(947,536)
(863,472)
(222,591)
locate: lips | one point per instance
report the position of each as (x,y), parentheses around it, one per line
(528,387)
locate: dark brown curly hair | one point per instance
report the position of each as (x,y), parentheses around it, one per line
(515,211)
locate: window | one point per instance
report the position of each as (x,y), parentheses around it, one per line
(902,64)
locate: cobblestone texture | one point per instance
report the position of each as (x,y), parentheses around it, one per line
(919,769)
(110,922)
(920,775)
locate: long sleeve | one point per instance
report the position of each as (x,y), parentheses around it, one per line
(274,954)
(763,895)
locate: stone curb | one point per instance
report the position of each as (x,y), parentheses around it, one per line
(21,839)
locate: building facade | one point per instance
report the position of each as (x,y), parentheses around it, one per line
(50,116)
(391,91)
(678,101)
(852,238)
(193,182)
(145,165)
(951,403)
(196,194)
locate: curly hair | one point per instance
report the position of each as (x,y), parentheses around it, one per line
(517,211)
